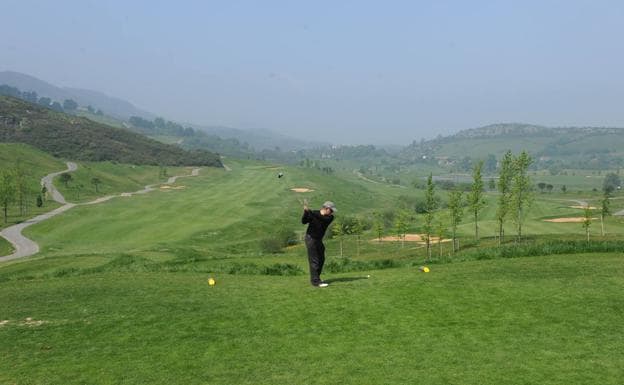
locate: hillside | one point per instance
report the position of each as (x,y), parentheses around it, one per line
(573,147)
(112,106)
(79,138)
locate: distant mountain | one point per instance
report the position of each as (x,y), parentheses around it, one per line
(225,138)
(519,129)
(112,106)
(572,147)
(78,138)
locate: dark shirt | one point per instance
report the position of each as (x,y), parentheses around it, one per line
(317,223)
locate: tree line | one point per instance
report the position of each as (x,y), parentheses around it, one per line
(67,105)
(515,196)
(15,191)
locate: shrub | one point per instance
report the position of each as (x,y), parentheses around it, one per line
(271,245)
(282,238)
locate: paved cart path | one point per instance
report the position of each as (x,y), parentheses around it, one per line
(25,247)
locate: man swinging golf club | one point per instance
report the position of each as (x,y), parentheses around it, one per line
(318,221)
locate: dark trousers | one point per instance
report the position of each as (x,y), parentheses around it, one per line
(316,258)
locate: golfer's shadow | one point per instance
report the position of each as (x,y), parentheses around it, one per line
(344,279)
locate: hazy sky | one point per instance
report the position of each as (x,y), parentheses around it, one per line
(343,71)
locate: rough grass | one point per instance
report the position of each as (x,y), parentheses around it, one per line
(546,320)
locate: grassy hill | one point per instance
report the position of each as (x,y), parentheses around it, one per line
(78,138)
(119,293)
(568,147)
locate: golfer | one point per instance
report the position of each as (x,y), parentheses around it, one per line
(317,221)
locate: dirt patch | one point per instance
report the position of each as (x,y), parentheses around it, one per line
(26,322)
(32,322)
(301,189)
(411,238)
(583,207)
(567,220)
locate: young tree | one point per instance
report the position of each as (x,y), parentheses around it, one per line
(456,211)
(475,197)
(78,189)
(7,192)
(357,228)
(44,193)
(504,188)
(338,230)
(521,196)
(401,225)
(541,186)
(379,225)
(65,178)
(605,210)
(587,220)
(96,182)
(430,206)
(441,233)
(21,187)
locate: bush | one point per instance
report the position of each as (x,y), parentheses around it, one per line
(546,248)
(344,265)
(274,245)
(271,245)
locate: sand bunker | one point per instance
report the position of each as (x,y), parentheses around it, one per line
(567,220)
(301,189)
(412,238)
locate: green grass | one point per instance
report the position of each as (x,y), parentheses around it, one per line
(35,165)
(5,247)
(115,178)
(121,288)
(546,320)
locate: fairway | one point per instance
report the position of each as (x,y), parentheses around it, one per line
(546,320)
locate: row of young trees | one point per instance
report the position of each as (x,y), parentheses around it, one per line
(15,190)
(515,196)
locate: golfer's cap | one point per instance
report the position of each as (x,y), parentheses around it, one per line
(330,205)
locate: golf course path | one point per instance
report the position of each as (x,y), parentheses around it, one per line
(25,247)
(47,182)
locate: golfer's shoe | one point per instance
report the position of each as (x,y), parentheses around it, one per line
(321,284)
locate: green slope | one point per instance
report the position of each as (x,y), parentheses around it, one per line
(78,138)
